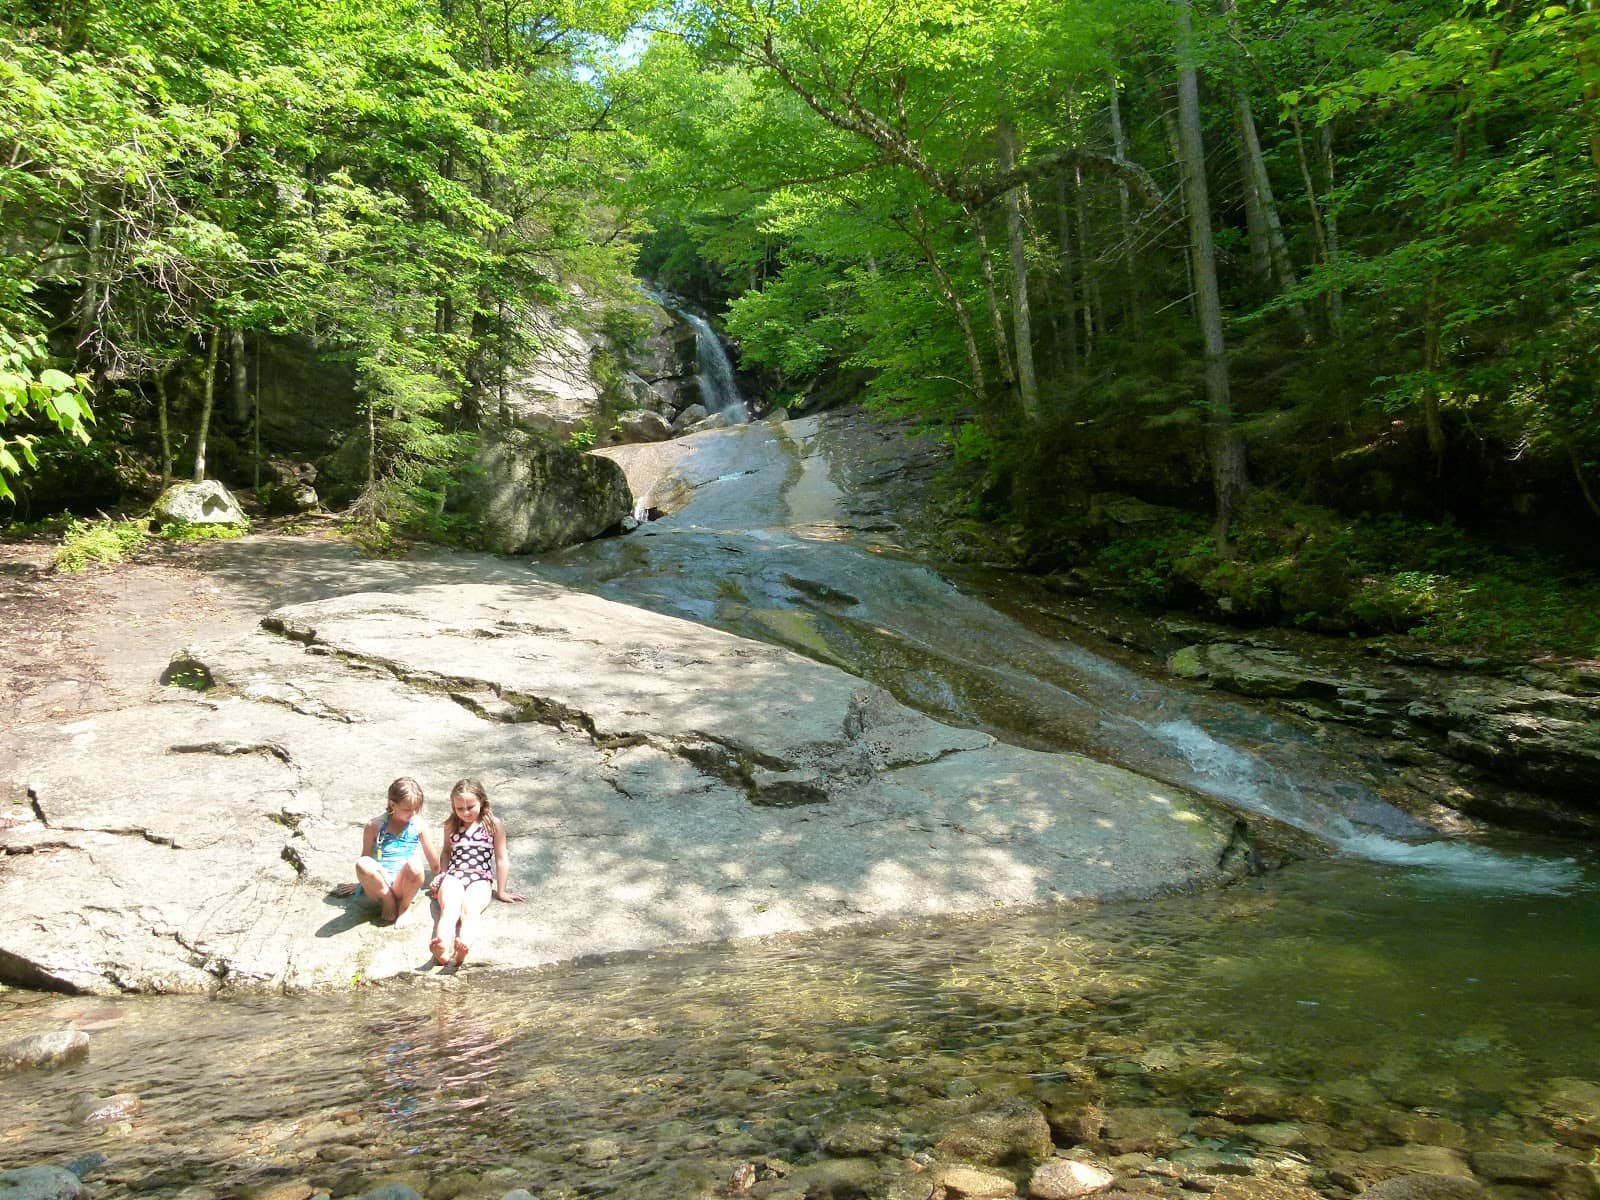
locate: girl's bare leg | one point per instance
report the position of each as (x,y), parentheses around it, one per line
(407,883)
(451,894)
(476,900)
(375,886)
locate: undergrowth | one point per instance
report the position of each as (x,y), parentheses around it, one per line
(98,543)
(1307,566)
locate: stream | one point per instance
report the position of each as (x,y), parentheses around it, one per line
(1407,1005)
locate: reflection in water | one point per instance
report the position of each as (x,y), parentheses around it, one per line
(1361,993)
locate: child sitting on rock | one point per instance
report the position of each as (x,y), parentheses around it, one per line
(393,847)
(474,868)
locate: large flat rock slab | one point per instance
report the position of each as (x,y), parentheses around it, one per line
(661,783)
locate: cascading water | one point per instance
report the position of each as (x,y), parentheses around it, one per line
(719,390)
(742,557)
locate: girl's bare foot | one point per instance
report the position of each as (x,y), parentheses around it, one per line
(387,909)
(436,948)
(461,952)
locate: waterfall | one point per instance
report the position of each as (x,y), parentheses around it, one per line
(719,390)
(717,385)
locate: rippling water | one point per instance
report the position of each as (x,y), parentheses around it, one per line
(654,1076)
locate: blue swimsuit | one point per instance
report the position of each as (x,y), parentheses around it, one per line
(395,850)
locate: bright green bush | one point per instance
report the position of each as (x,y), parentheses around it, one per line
(102,542)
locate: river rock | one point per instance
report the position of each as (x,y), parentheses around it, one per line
(53,1049)
(39,1183)
(1138,1130)
(969,1183)
(1572,1109)
(203,503)
(859,1138)
(1425,1187)
(391,1191)
(1538,1168)
(1068,1178)
(1356,1171)
(533,493)
(1014,1133)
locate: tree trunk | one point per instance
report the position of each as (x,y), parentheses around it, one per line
(969,336)
(1331,223)
(1068,270)
(1175,145)
(1257,182)
(1228,476)
(1094,309)
(997,321)
(162,427)
(208,398)
(1130,266)
(1021,315)
(239,376)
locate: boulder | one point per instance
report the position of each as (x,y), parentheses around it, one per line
(643,425)
(1425,1187)
(536,494)
(54,1049)
(969,1183)
(689,416)
(203,503)
(1014,1133)
(1068,1179)
(39,1183)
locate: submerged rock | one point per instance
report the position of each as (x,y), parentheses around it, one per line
(37,1050)
(39,1183)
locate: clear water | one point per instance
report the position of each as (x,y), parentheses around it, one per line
(1362,995)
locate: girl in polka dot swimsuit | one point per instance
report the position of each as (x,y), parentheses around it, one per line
(472,869)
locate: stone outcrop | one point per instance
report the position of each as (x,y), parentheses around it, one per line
(661,782)
(536,494)
(203,503)
(1527,726)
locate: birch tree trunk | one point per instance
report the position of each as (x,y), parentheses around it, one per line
(1229,479)
(207,400)
(1130,266)
(1021,315)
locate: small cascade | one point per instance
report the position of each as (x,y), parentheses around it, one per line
(719,390)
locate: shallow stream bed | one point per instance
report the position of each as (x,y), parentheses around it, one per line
(1290,1028)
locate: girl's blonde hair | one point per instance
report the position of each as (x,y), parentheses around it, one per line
(403,789)
(466,787)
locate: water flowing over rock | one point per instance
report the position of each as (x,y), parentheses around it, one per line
(38,1050)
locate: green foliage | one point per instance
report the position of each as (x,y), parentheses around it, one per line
(584,436)
(98,543)
(183,532)
(31,390)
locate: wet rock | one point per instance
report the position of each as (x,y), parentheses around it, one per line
(1579,1181)
(297,1189)
(1017,1133)
(391,1191)
(692,415)
(859,1138)
(1135,1130)
(39,1183)
(55,1049)
(1537,1167)
(1572,1109)
(1425,1187)
(1067,1178)
(969,1183)
(1358,1171)
(835,1177)
(1261,1189)
(1215,1162)
(203,503)
(109,1110)
(1249,671)
(1262,1101)
(1423,1129)
(598,1152)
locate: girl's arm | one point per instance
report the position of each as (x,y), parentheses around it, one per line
(502,862)
(435,863)
(369,839)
